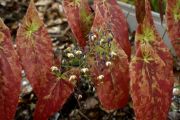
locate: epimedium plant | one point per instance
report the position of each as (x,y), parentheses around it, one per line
(102,55)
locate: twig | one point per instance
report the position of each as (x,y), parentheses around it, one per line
(83,115)
(65,31)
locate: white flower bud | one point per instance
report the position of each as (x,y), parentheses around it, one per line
(54,68)
(108,63)
(78,52)
(93,37)
(72,77)
(84,70)
(176,91)
(68,49)
(100,77)
(113,53)
(101,41)
(70,55)
(15,46)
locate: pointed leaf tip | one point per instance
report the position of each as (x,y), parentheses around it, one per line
(35,48)
(32,21)
(140,10)
(80,19)
(108,12)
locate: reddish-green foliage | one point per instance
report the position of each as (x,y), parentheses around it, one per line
(109,12)
(150,72)
(57,94)
(10,75)
(57,91)
(112,82)
(107,53)
(35,49)
(110,73)
(80,19)
(146,33)
(151,85)
(173,23)
(140,10)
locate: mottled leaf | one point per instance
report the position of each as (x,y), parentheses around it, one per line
(35,49)
(80,19)
(173,23)
(146,33)
(109,12)
(150,72)
(151,85)
(113,89)
(56,94)
(110,74)
(54,99)
(10,75)
(109,71)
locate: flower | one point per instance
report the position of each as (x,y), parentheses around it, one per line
(176,91)
(68,49)
(70,55)
(54,68)
(108,63)
(84,70)
(113,53)
(72,77)
(15,46)
(93,37)
(78,52)
(100,77)
(101,41)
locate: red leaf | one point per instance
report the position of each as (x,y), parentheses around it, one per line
(109,12)
(173,23)
(160,7)
(54,99)
(80,19)
(10,75)
(55,95)
(111,82)
(150,72)
(35,49)
(140,10)
(146,33)
(151,85)
(109,70)
(113,89)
